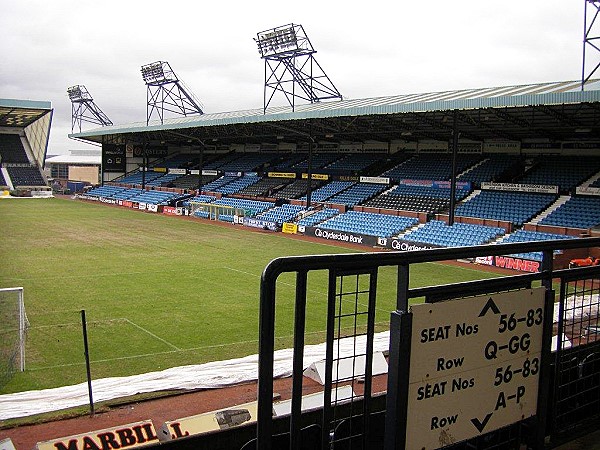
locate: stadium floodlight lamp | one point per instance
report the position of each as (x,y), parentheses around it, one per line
(155,72)
(76,93)
(277,40)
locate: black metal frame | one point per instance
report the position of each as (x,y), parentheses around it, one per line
(590,37)
(167,93)
(532,431)
(83,108)
(290,64)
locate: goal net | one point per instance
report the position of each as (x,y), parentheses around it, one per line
(13,331)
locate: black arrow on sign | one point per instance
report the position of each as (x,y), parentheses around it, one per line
(481,425)
(489,305)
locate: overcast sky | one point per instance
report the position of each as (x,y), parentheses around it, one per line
(368,49)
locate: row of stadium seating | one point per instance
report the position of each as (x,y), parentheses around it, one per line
(577,212)
(25,176)
(281,214)
(381,225)
(460,234)
(12,150)
(526,236)
(134,194)
(565,172)
(373,224)
(515,207)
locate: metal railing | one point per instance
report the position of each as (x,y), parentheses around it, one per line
(568,380)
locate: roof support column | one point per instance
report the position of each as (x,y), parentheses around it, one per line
(454,156)
(311,141)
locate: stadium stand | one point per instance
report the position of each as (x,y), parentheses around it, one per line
(247,162)
(264,187)
(281,214)
(201,199)
(179,161)
(12,150)
(357,193)
(328,190)
(356,163)
(526,236)
(25,176)
(286,163)
(251,207)
(190,181)
(515,207)
(430,167)
(296,189)
(439,233)
(237,184)
(373,224)
(155,197)
(319,161)
(416,198)
(221,161)
(317,217)
(563,171)
(106,191)
(577,212)
(218,183)
(166,180)
(493,168)
(127,194)
(136,178)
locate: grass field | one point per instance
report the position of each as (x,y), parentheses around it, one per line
(158,291)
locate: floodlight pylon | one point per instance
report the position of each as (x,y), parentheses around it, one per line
(291,67)
(591,47)
(167,93)
(83,108)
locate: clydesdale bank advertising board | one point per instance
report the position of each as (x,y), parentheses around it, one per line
(366,240)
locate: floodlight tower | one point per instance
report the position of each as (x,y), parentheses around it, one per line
(291,67)
(83,108)
(590,41)
(167,93)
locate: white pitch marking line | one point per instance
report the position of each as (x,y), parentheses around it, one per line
(152,334)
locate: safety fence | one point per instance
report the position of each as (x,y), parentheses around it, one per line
(477,364)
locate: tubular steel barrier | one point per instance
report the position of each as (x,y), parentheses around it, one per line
(503,362)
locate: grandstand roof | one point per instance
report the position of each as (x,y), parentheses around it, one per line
(556,111)
(22,113)
(74,159)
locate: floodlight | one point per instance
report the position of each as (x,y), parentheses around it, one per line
(74,92)
(166,92)
(79,93)
(291,68)
(277,40)
(84,109)
(158,72)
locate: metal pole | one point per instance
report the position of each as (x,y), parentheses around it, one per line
(22,328)
(200,167)
(87,361)
(453,179)
(309,175)
(585,32)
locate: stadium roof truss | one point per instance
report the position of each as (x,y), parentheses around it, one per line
(558,111)
(22,113)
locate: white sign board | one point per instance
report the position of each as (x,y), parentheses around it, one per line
(474,366)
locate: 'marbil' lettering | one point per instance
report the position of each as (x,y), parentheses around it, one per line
(109,440)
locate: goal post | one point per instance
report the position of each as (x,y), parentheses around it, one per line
(13,332)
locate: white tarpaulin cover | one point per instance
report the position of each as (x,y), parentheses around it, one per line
(202,376)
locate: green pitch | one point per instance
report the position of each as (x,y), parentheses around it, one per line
(158,291)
